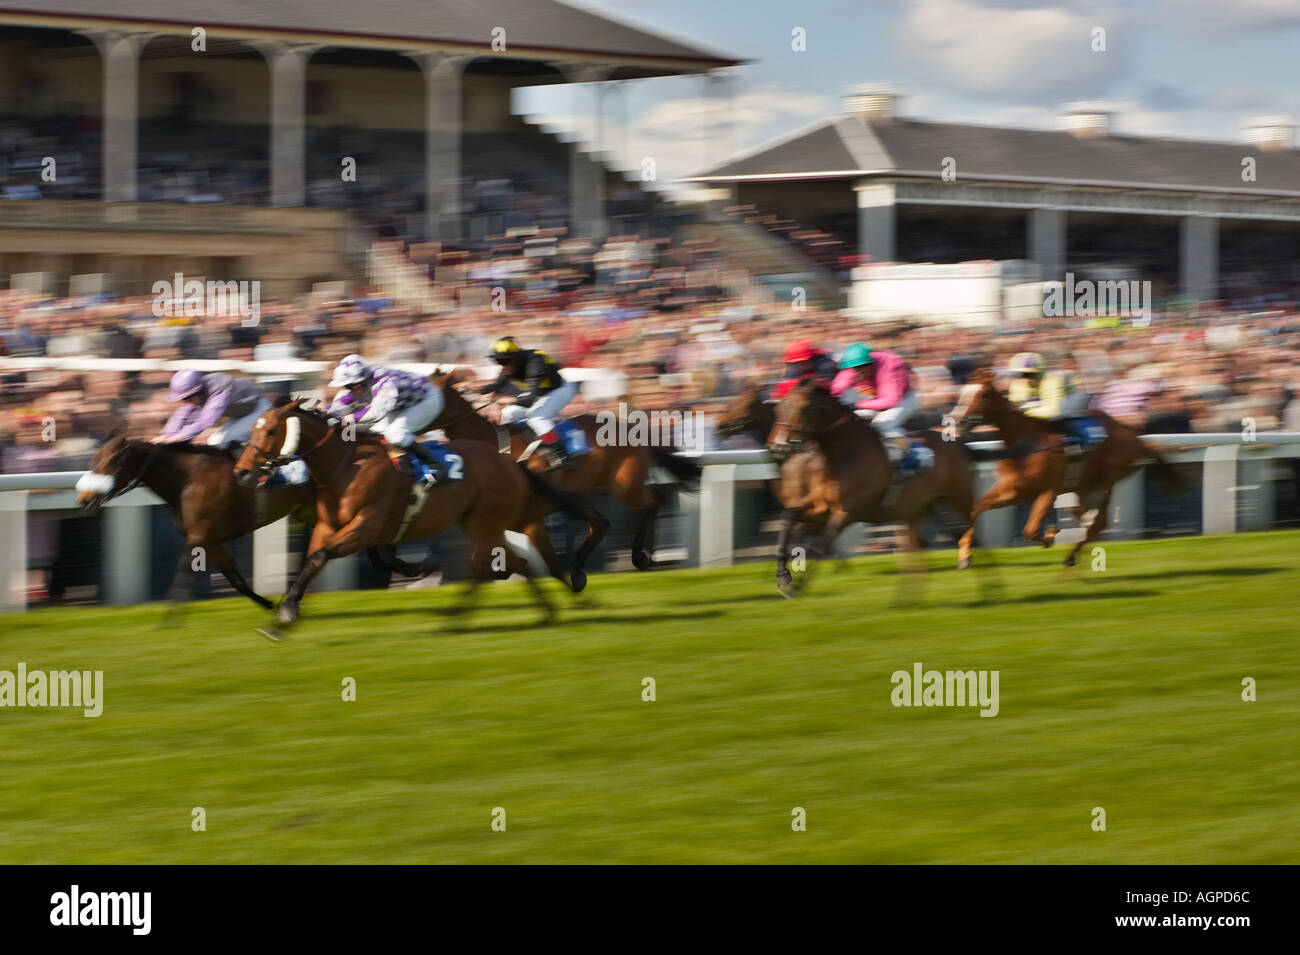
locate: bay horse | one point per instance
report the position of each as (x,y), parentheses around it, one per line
(197,486)
(802,487)
(859,482)
(1041,474)
(362,499)
(618,470)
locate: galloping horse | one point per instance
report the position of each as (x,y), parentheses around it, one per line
(198,488)
(859,481)
(362,500)
(802,486)
(618,470)
(1041,475)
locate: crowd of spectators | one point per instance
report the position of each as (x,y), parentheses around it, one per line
(672,317)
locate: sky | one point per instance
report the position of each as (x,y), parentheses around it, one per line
(1191,68)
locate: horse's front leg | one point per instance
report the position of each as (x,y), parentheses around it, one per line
(326,544)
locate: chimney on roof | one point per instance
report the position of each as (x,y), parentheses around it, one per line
(1087,119)
(1269,132)
(873,103)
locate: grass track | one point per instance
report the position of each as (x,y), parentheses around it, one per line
(1119,689)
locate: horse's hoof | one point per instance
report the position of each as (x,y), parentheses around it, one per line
(578,581)
(787,590)
(1049,537)
(642,560)
(963,564)
(263,603)
(286,614)
(1070,561)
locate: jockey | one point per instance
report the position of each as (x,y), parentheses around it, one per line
(888,376)
(803,360)
(541,392)
(209,399)
(1052,396)
(394,404)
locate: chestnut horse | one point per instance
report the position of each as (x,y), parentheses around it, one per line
(618,470)
(196,485)
(1041,475)
(361,499)
(860,482)
(802,486)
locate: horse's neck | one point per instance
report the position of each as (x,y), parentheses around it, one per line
(1012,422)
(165,472)
(317,451)
(847,438)
(471,426)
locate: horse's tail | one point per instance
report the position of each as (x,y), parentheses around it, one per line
(685,470)
(1166,474)
(565,501)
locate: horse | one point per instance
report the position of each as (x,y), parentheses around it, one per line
(362,499)
(618,470)
(859,482)
(802,487)
(197,486)
(1041,475)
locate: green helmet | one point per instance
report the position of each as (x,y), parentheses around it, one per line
(856,355)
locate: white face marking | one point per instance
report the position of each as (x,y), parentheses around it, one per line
(964,399)
(261,423)
(95,483)
(292,434)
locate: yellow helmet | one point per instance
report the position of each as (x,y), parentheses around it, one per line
(504,348)
(1028,363)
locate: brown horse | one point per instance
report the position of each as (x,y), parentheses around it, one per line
(362,500)
(1042,474)
(196,485)
(618,470)
(802,485)
(860,482)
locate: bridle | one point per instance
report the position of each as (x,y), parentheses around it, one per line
(268,461)
(135,482)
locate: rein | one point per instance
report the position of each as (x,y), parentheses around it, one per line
(149,459)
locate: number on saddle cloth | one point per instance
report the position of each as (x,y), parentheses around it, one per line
(453,465)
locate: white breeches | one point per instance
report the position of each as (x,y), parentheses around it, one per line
(237,429)
(890,421)
(539,416)
(402,428)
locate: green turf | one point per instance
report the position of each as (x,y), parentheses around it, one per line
(1119,689)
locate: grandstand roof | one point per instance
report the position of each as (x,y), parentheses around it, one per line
(849,147)
(532,26)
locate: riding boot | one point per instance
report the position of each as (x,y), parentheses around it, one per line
(436,473)
(559,454)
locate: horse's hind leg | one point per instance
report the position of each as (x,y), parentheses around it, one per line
(784,580)
(643,540)
(1033,527)
(1094,529)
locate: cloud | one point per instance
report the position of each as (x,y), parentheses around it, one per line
(686,135)
(1018,52)
(1213,16)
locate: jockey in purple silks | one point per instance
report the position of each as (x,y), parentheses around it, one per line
(394,404)
(206,400)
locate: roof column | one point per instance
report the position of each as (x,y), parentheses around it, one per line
(287,63)
(876,220)
(120,52)
(586,168)
(443,74)
(1046,233)
(1198,264)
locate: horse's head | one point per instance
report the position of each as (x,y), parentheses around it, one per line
(746,412)
(114,467)
(976,397)
(277,436)
(803,413)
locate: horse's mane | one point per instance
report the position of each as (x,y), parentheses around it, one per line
(179,447)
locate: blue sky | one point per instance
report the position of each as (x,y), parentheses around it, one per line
(1194,68)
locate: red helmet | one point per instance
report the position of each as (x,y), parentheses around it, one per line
(799,350)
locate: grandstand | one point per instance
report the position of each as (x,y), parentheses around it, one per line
(1201,220)
(266,108)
